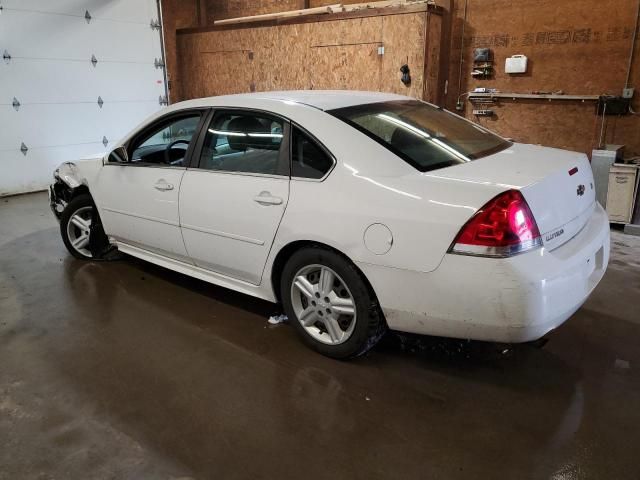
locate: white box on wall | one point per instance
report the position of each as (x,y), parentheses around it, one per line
(516,64)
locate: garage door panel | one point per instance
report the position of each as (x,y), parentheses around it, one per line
(122,36)
(141,11)
(51,75)
(24,173)
(53,125)
(50,81)
(71,38)
(120,118)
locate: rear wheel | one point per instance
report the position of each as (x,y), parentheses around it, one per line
(329,303)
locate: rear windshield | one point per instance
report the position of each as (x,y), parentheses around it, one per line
(425,136)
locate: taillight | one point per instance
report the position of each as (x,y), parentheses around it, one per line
(503,227)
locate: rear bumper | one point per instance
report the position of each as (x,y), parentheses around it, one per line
(510,300)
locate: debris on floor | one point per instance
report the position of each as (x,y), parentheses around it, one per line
(276,319)
(622,364)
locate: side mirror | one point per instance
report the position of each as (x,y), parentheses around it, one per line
(118,155)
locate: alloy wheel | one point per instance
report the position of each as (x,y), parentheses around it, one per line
(323,304)
(79,229)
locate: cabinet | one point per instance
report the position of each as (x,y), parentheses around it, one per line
(623,181)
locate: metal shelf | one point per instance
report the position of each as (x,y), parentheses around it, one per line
(534,96)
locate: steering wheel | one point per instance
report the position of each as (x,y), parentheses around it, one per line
(167,151)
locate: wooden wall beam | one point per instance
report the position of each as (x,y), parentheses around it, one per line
(202,13)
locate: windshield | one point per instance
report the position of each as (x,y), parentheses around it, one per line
(425,136)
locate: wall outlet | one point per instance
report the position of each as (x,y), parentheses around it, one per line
(627,92)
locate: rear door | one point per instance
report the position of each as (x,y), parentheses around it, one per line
(234,195)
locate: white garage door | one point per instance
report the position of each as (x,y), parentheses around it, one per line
(56,104)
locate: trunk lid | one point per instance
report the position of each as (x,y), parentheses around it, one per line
(557,184)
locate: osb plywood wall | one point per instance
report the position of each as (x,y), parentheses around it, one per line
(580,47)
(339,54)
(577,46)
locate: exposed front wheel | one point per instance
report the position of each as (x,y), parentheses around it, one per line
(329,303)
(82,231)
(75,226)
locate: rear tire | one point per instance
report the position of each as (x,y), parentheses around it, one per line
(330,304)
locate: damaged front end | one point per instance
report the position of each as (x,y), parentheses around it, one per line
(67,187)
(64,188)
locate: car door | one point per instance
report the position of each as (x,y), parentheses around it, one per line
(138,197)
(233,198)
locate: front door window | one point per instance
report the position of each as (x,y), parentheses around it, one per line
(167,144)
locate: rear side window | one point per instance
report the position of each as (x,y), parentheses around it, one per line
(244,142)
(424,136)
(308,159)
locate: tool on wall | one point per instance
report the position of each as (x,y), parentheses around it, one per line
(406,74)
(483,113)
(482,63)
(612,105)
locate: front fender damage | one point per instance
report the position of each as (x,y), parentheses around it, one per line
(68,185)
(64,188)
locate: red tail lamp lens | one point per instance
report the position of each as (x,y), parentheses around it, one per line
(503,227)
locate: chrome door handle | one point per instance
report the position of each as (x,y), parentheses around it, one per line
(163,186)
(265,198)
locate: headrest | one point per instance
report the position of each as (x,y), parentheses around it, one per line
(248,125)
(403,139)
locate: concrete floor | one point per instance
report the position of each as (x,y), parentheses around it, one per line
(125,370)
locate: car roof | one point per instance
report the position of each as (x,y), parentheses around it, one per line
(321,99)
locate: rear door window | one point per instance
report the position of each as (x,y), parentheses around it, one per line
(245,142)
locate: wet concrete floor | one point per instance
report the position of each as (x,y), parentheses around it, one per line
(124,370)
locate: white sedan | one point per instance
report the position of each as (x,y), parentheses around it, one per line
(357,211)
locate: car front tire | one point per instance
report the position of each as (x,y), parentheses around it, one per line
(82,231)
(330,304)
